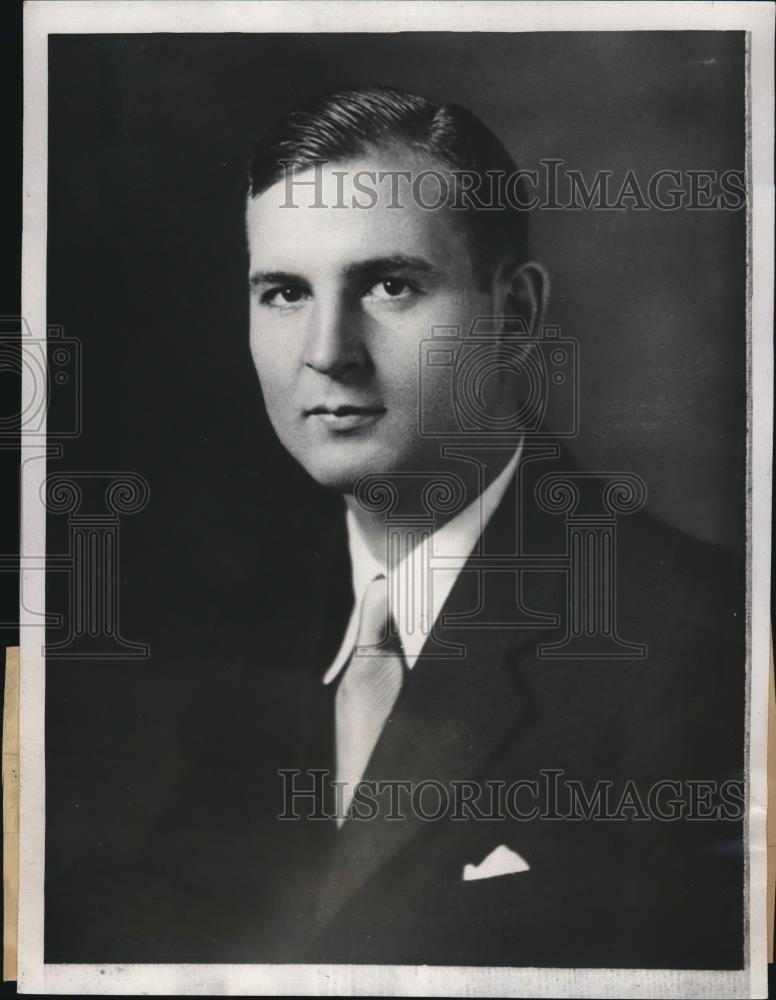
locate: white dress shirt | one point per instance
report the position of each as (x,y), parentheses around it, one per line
(426,574)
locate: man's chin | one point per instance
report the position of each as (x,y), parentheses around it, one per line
(337,479)
(346,477)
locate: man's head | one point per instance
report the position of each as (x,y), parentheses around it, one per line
(360,245)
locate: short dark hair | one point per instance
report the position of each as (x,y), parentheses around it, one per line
(348,123)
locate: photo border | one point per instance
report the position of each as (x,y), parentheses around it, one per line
(350,16)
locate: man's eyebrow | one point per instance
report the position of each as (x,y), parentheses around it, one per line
(373,265)
(395,262)
(276,278)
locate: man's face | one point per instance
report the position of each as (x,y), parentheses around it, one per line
(341,299)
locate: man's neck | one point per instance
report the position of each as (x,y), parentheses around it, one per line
(410,505)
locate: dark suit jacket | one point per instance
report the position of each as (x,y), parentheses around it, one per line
(221,878)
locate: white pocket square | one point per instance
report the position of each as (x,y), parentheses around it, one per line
(500,861)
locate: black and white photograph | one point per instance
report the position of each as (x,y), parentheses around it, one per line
(396,442)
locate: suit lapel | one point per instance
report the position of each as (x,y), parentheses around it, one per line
(453,717)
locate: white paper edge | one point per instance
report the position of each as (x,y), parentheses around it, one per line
(111,16)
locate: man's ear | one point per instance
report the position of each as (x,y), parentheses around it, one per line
(523,292)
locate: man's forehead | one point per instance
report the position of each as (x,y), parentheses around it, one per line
(337,210)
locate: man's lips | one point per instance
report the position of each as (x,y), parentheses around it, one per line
(344,409)
(346,416)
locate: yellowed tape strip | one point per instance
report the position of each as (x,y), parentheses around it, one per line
(10,812)
(771,835)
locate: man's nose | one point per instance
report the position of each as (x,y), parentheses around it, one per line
(335,343)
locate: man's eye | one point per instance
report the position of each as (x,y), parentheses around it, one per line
(287,296)
(389,288)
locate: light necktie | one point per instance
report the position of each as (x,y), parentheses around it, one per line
(367,691)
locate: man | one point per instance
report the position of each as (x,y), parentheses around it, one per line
(441,669)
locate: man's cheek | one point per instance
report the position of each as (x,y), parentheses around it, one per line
(272,378)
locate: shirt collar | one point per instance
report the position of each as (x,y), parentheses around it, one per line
(450,548)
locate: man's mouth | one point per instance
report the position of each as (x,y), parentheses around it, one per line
(347,416)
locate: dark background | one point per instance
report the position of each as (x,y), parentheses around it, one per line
(148,141)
